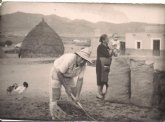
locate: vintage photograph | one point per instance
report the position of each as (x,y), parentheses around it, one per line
(82,61)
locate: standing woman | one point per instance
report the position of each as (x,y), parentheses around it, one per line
(102,65)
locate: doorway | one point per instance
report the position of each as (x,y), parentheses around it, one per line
(122,48)
(156,47)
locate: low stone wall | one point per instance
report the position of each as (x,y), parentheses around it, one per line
(143,52)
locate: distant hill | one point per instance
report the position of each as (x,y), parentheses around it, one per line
(20,23)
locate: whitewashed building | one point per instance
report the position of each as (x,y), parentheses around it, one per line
(150,42)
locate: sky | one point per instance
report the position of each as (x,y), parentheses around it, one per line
(93,12)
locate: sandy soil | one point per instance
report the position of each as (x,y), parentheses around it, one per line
(35,104)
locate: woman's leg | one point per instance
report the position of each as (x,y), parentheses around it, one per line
(99,91)
(106,88)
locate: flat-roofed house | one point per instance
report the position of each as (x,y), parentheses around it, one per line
(151,42)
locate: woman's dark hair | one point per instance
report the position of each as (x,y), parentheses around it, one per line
(103,37)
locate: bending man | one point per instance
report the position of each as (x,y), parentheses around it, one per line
(64,70)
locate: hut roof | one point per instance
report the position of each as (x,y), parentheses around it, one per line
(42,41)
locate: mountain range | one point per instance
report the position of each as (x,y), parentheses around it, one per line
(20,23)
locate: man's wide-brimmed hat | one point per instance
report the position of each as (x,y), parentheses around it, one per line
(85,54)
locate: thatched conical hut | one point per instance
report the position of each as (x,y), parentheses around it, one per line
(42,41)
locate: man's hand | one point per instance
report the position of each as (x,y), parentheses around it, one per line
(75,99)
(68,90)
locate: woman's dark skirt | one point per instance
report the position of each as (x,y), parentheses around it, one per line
(99,73)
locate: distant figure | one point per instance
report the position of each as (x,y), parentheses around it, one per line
(64,70)
(102,65)
(19,53)
(115,45)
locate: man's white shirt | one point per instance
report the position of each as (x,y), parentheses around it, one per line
(66,64)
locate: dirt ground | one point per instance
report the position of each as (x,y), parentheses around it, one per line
(35,104)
